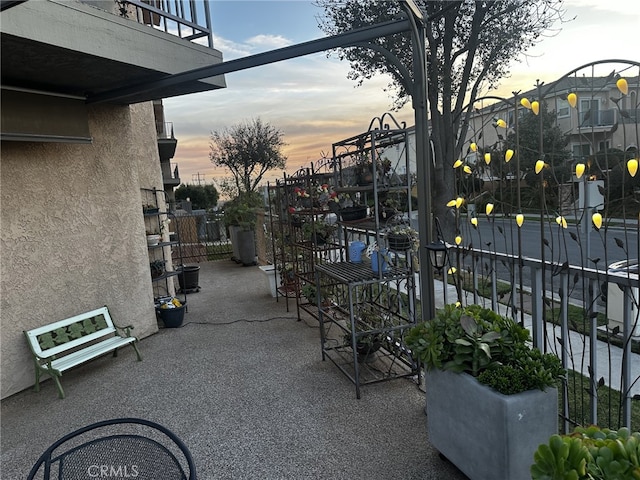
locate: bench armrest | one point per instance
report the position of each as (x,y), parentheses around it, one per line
(126,329)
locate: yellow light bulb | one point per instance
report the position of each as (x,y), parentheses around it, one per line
(539,166)
(622,86)
(451,271)
(457,163)
(632,166)
(458,304)
(596,218)
(467,169)
(580,169)
(519,219)
(535,107)
(487,158)
(458,240)
(508,155)
(451,203)
(488,208)
(501,123)
(560,220)
(474,221)
(525,103)
(459,202)
(473,147)
(572,98)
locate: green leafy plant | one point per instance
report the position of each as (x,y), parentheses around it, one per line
(589,453)
(319,228)
(493,348)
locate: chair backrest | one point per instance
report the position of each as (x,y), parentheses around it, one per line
(118,448)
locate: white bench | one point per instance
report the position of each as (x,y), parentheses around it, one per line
(65,344)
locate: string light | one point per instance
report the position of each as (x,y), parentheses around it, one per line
(474,222)
(487,158)
(580,169)
(467,169)
(539,166)
(622,86)
(508,155)
(560,220)
(632,166)
(596,218)
(535,107)
(457,163)
(525,103)
(501,123)
(458,240)
(473,147)
(519,219)
(488,208)
(572,98)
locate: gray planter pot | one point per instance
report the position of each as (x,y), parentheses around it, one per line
(487,435)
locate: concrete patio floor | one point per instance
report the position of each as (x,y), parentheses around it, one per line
(242,383)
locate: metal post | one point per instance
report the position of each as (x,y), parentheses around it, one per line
(424,167)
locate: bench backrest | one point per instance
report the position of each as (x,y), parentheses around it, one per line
(70,333)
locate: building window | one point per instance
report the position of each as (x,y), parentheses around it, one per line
(562,107)
(580,152)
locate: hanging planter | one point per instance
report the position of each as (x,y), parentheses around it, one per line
(398,242)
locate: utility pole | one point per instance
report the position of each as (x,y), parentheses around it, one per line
(197,178)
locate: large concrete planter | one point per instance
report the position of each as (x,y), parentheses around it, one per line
(487,435)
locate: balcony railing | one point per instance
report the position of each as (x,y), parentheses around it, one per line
(165,130)
(187,19)
(597,118)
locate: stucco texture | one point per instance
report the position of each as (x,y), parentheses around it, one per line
(72,232)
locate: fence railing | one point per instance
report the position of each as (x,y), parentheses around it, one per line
(598,346)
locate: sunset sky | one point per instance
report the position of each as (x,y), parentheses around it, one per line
(313,103)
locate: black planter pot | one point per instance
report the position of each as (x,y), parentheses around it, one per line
(350,214)
(171,317)
(189,278)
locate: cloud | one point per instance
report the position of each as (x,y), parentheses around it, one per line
(269,42)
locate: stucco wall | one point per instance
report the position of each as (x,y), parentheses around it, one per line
(72,232)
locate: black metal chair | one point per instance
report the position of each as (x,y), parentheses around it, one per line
(118,448)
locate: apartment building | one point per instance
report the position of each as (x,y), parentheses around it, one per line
(82,136)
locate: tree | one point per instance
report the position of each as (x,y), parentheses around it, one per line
(202,196)
(470,45)
(248,150)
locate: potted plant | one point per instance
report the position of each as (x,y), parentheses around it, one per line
(486,388)
(589,453)
(402,237)
(171,311)
(287,276)
(368,338)
(157,268)
(153,238)
(240,216)
(318,231)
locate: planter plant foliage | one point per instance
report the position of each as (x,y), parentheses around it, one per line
(494,349)
(487,387)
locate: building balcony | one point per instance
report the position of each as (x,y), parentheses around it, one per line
(78,49)
(170,174)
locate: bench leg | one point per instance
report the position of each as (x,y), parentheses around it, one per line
(135,347)
(36,387)
(58,385)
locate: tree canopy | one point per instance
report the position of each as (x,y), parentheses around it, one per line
(470,47)
(248,150)
(202,196)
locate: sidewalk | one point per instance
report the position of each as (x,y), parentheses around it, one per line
(243,384)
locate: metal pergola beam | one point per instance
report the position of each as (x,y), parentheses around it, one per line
(314,46)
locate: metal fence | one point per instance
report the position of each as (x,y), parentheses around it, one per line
(586,316)
(203,237)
